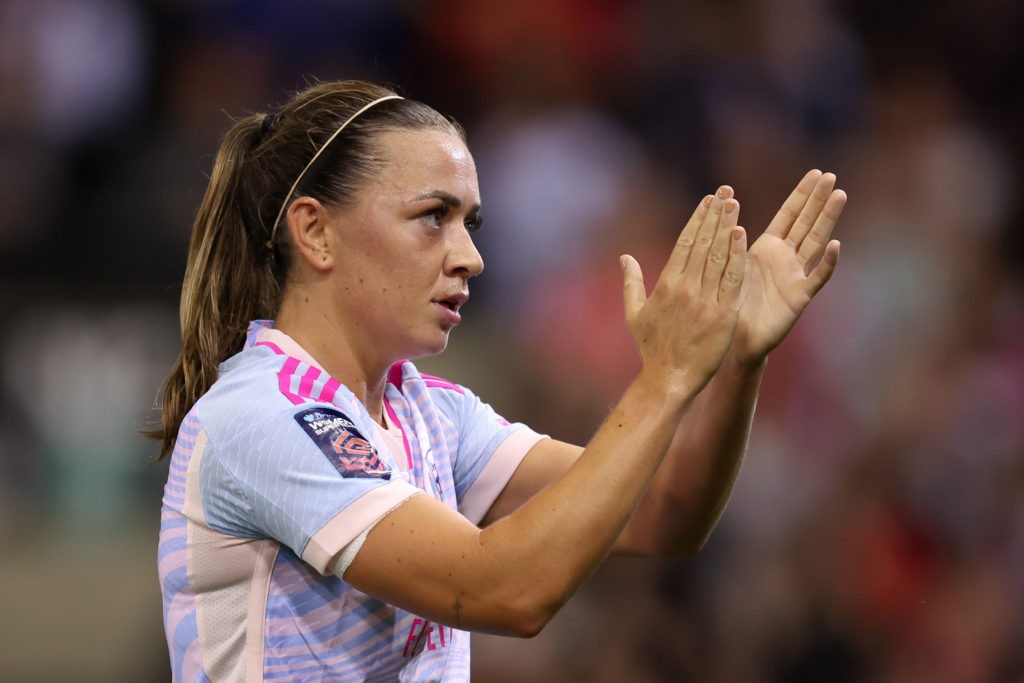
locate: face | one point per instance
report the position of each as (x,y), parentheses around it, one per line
(406,249)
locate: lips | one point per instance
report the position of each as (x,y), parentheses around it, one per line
(450,305)
(453,302)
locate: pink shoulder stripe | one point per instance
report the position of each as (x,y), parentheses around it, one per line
(287,372)
(284,380)
(306,384)
(272,346)
(395,374)
(440,383)
(330,389)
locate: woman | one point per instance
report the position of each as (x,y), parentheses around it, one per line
(331,514)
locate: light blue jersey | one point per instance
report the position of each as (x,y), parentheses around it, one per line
(276,469)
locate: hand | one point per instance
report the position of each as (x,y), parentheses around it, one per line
(783,267)
(684,329)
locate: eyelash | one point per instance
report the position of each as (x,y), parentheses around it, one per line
(435,216)
(471,224)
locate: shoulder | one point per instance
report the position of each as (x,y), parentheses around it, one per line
(249,389)
(266,395)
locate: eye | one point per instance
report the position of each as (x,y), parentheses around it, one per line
(474,222)
(434,217)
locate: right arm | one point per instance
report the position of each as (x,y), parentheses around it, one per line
(512,576)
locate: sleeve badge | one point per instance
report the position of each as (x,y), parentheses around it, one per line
(343,444)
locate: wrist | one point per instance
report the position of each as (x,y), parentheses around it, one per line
(672,389)
(744,365)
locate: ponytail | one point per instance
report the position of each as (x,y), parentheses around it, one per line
(230,279)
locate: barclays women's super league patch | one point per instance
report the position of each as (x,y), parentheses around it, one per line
(347,449)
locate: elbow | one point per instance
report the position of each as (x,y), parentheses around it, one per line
(688,541)
(690,547)
(527,617)
(691,544)
(683,545)
(523,614)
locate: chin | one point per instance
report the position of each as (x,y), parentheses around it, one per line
(430,348)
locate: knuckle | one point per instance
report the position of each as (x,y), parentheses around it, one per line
(716,258)
(704,241)
(685,242)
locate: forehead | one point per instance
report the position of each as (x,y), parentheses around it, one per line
(419,161)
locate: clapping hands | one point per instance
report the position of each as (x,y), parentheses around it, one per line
(715,297)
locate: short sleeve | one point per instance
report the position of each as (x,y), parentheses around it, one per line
(489,448)
(309,477)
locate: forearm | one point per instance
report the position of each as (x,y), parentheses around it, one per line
(693,484)
(572,524)
(514,575)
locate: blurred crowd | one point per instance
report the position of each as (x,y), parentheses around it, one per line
(876,532)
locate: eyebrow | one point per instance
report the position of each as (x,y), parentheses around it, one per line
(447,198)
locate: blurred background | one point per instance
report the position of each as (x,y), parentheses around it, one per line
(876,532)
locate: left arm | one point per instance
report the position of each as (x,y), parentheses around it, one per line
(691,487)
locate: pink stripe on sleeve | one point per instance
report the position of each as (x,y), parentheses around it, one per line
(306,385)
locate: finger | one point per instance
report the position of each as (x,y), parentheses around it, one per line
(718,255)
(812,209)
(790,209)
(694,268)
(681,252)
(634,294)
(732,277)
(813,245)
(822,273)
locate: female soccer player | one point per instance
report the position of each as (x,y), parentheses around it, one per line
(332,514)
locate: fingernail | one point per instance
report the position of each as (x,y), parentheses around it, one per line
(723,192)
(730,207)
(707,200)
(622,263)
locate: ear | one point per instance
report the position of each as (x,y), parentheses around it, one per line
(307,224)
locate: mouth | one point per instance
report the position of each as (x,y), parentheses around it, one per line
(453,302)
(450,306)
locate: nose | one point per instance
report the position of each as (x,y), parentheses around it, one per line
(463,258)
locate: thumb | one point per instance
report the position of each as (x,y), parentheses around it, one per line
(633,292)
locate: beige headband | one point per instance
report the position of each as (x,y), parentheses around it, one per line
(284,205)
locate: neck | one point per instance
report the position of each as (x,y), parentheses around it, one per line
(330,344)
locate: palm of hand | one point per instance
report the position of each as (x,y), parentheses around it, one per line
(776,294)
(780,281)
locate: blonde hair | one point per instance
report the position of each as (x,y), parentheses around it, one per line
(238,258)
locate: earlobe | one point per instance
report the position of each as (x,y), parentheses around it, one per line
(307,226)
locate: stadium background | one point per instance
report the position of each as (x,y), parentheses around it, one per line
(877,529)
